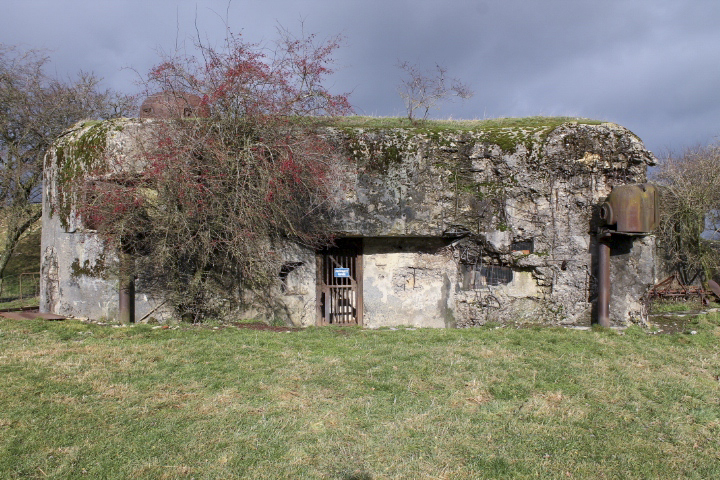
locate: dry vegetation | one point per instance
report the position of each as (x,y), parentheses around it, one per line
(690,219)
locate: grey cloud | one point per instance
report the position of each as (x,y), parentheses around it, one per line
(652,65)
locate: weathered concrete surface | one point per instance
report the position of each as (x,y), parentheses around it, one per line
(75,277)
(460,226)
(631,259)
(296,292)
(408,281)
(544,190)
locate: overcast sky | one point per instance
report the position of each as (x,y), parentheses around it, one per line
(650,65)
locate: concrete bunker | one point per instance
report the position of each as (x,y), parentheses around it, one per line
(456,226)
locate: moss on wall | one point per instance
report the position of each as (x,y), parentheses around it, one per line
(80,153)
(97,270)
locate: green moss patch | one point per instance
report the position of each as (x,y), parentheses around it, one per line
(86,269)
(507,133)
(459,125)
(77,155)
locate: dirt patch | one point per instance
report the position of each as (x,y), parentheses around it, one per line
(672,322)
(30,315)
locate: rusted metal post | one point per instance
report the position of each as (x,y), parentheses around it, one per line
(603,301)
(127,300)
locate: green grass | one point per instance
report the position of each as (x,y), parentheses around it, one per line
(82,400)
(680,305)
(25,302)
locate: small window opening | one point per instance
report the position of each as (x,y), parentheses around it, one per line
(478,276)
(524,246)
(284,272)
(494,275)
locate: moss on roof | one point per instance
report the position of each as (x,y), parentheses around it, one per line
(507,133)
(458,125)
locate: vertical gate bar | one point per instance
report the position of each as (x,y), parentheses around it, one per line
(328,296)
(336,310)
(359,285)
(351,300)
(326,312)
(318,289)
(325,289)
(353,309)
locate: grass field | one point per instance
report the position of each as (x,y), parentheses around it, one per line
(90,401)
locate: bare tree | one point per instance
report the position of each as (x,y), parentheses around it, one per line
(34,109)
(424,90)
(690,209)
(228,188)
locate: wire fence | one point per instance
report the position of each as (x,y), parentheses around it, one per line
(23,290)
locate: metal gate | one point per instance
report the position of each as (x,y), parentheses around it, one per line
(339,284)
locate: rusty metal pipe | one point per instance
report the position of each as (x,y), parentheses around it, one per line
(603,301)
(127,300)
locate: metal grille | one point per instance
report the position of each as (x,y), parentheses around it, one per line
(339,291)
(522,246)
(492,275)
(20,290)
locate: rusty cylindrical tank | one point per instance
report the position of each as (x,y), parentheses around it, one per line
(631,208)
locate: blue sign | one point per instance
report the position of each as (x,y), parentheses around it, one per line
(341,273)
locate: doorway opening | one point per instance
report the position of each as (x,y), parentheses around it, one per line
(339,283)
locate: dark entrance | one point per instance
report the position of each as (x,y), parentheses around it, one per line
(339,284)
